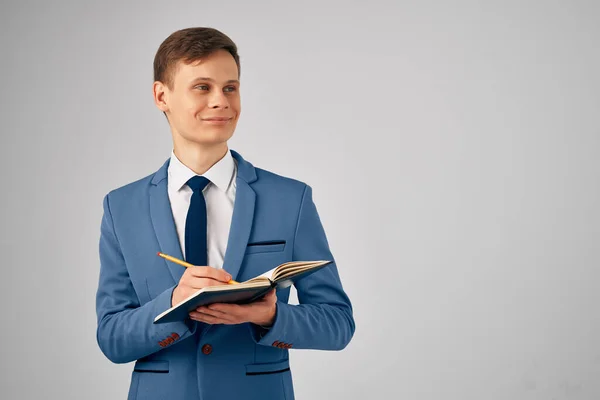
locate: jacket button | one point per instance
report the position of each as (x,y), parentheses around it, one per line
(207,349)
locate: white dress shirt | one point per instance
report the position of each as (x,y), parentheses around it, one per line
(219,195)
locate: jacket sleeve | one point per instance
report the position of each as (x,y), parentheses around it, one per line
(125,330)
(323,318)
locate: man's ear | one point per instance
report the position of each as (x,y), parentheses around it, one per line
(160,93)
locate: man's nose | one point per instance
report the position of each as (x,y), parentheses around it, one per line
(218,100)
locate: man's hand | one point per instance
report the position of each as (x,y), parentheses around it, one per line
(195,278)
(260,312)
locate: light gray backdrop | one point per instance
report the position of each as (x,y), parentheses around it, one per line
(453,148)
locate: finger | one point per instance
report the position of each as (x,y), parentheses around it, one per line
(270,297)
(209,319)
(218,274)
(232,310)
(213,313)
(199,283)
(204,318)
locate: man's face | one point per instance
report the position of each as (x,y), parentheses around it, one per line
(203,104)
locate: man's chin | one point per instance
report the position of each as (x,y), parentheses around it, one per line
(208,139)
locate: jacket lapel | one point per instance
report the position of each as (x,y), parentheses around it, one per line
(163,223)
(241,225)
(242,218)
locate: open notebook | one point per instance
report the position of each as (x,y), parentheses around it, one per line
(281,276)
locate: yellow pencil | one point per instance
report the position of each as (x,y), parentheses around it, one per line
(184,264)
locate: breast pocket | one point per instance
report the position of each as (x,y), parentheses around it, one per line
(265,246)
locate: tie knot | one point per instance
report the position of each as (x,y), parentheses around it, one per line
(198,183)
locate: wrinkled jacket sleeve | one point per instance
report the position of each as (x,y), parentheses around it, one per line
(323,319)
(125,330)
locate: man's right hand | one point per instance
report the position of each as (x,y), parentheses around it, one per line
(196,278)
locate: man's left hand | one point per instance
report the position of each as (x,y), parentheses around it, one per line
(260,312)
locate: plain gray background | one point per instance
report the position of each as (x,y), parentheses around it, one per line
(453,152)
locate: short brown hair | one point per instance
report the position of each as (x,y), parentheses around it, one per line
(189,45)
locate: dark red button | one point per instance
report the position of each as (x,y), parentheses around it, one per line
(207,349)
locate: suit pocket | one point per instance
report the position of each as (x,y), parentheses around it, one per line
(159,366)
(268,368)
(155,381)
(265,247)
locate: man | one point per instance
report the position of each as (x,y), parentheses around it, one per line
(231,220)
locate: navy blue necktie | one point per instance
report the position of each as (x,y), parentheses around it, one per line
(195,224)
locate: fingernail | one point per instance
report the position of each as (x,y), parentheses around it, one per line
(228,277)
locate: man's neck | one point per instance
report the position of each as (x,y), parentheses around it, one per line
(200,158)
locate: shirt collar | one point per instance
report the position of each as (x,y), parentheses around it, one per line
(220,174)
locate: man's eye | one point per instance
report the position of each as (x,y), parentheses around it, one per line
(230,89)
(202,87)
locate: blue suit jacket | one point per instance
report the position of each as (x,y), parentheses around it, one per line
(193,360)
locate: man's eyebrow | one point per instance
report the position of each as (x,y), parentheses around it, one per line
(201,78)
